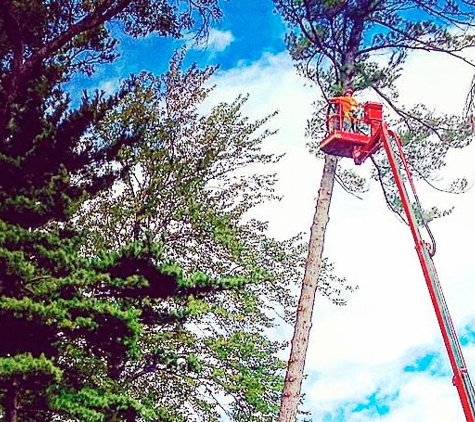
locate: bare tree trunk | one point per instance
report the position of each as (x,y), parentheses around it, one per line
(293,379)
(11,404)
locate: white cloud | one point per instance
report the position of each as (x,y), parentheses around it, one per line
(424,398)
(109,86)
(440,81)
(216,42)
(389,321)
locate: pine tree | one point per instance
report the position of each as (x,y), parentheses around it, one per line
(334,44)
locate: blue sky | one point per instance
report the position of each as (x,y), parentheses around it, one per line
(380,358)
(248,30)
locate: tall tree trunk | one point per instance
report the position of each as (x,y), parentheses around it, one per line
(11,404)
(303,323)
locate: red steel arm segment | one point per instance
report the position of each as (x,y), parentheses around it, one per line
(461,377)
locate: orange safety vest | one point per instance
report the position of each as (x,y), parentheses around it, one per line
(348,105)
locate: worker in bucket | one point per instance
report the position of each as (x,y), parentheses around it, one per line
(349,106)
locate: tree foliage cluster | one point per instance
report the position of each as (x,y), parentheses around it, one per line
(189,185)
(364,43)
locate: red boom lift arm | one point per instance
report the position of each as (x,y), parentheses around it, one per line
(359,146)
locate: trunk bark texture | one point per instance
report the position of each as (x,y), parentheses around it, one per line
(293,379)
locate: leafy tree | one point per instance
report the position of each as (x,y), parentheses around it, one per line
(189,185)
(178,189)
(66,317)
(335,43)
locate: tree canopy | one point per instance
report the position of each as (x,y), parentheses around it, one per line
(365,44)
(186,186)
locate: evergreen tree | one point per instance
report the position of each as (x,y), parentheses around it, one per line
(66,317)
(335,44)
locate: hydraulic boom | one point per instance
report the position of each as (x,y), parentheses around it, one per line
(461,378)
(359,147)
